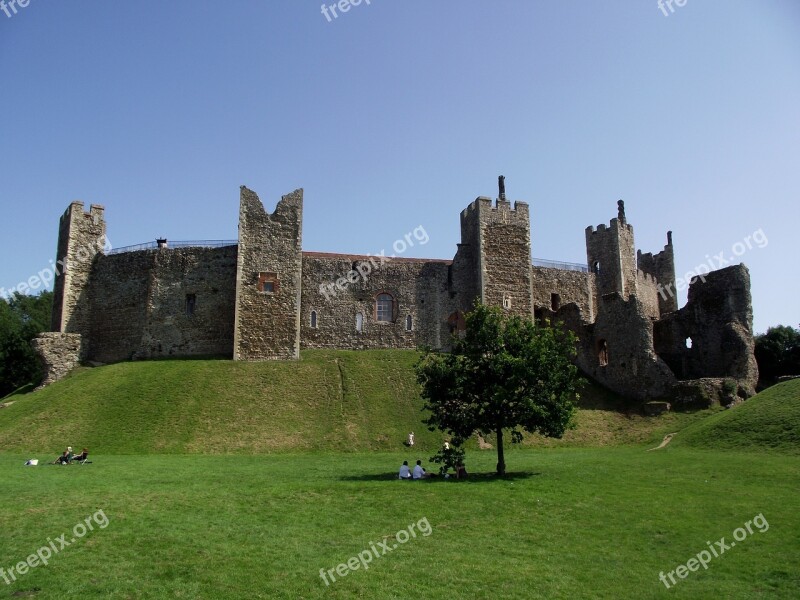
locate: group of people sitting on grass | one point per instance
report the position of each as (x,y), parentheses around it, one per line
(68,457)
(419,473)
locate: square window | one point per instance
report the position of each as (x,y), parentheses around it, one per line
(267,283)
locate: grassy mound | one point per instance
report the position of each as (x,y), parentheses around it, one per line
(768,421)
(329,400)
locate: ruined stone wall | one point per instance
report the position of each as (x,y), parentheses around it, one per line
(570,286)
(81,237)
(662,267)
(267,323)
(624,329)
(718,321)
(58,354)
(418,288)
(165,302)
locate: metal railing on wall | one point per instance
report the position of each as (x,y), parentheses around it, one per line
(564,266)
(180,244)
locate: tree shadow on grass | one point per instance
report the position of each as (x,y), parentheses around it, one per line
(473,478)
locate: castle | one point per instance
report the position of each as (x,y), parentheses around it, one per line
(262,297)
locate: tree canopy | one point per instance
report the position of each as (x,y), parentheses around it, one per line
(505,373)
(22,318)
(778,352)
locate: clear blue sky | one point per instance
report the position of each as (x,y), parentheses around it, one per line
(398,114)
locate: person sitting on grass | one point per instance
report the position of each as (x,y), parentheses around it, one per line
(419,472)
(82,456)
(64,458)
(405,472)
(461,471)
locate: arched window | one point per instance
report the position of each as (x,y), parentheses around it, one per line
(688,342)
(596,267)
(313,319)
(384,308)
(409,323)
(359,322)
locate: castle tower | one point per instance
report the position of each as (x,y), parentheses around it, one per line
(81,237)
(611,257)
(268,276)
(502,237)
(662,267)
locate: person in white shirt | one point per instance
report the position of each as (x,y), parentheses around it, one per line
(405,472)
(419,472)
(411,440)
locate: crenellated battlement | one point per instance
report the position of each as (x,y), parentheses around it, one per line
(613,224)
(262,298)
(646,277)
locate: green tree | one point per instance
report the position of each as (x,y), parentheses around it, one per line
(504,374)
(778,352)
(22,318)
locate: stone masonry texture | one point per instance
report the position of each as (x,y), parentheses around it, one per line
(265,299)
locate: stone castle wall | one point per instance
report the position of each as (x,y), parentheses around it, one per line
(611,255)
(662,267)
(712,336)
(81,237)
(623,332)
(418,288)
(505,254)
(58,354)
(570,287)
(162,303)
(647,294)
(265,298)
(267,323)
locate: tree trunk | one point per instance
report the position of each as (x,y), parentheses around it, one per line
(501,459)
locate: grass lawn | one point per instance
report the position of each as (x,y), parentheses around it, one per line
(567,523)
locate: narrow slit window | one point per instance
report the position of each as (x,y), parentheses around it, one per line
(191,302)
(313,319)
(602,353)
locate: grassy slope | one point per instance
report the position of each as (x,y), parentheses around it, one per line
(330,400)
(769,421)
